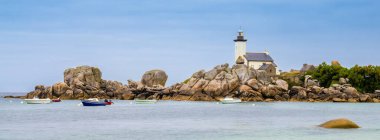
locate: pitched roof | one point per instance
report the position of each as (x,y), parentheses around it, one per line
(307,67)
(265,66)
(258,57)
(274,64)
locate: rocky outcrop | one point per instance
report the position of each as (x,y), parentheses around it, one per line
(221,81)
(11,96)
(282,84)
(80,83)
(40,91)
(154,78)
(339,124)
(238,81)
(309,82)
(83,76)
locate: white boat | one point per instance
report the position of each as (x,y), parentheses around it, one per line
(229,100)
(37,100)
(138,101)
(92,100)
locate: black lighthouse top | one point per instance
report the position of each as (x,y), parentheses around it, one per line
(240,37)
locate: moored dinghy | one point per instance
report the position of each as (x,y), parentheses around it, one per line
(93,102)
(138,101)
(37,100)
(89,103)
(229,100)
(56,100)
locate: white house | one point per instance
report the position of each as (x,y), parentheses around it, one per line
(256,60)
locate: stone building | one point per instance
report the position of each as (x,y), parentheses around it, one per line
(269,68)
(253,59)
(307,67)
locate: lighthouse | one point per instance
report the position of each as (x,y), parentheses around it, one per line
(261,61)
(240,45)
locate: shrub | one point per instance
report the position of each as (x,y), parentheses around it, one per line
(363,78)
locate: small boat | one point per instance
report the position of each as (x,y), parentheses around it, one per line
(96,102)
(229,100)
(37,100)
(138,101)
(56,100)
(92,103)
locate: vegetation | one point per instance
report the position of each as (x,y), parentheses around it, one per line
(363,78)
(292,78)
(186,81)
(328,74)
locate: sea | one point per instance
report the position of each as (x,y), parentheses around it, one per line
(185,120)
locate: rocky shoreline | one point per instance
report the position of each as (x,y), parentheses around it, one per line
(238,81)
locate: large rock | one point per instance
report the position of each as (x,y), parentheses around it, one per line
(240,60)
(270,91)
(128,96)
(311,83)
(282,84)
(60,89)
(68,95)
(364,98)
(40,91)
(245,88)
(114,89)
(254,84)
(82,76)
(223,84)
(243,72)
(339,124)
(351,91)
(298,93)
(343,81)
(216,88)
(198,75)
(154,78)
(199,85)
(210,75)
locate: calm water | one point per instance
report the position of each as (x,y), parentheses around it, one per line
(169,120)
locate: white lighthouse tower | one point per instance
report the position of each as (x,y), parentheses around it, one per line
(240,45)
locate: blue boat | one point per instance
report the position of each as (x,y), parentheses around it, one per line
(92,103)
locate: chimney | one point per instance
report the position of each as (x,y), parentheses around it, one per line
(266,52)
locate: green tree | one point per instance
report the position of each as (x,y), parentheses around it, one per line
(363,78)
(328,74)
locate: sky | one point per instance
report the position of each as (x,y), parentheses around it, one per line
(125,38)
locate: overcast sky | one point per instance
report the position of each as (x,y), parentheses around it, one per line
(125,38)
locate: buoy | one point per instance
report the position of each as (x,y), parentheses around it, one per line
(253,105)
